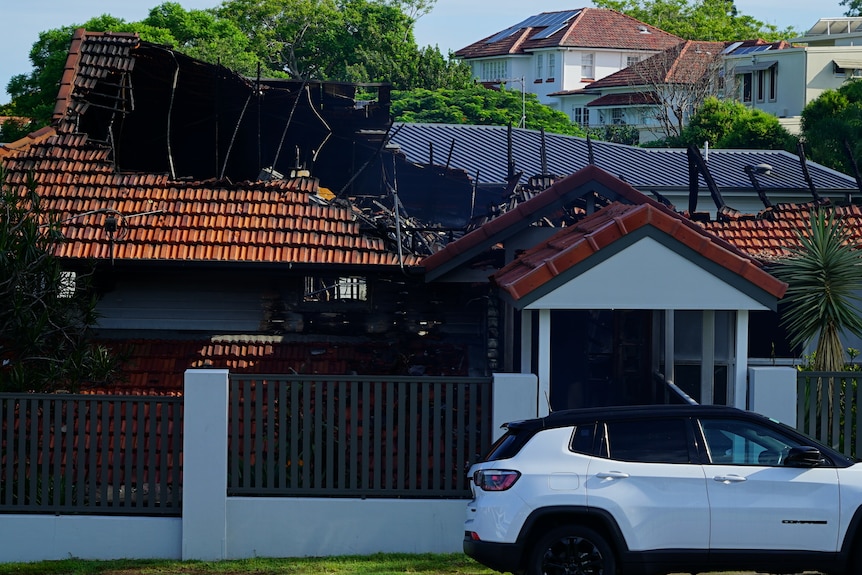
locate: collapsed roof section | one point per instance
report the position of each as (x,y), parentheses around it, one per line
(156,157)
(160,111)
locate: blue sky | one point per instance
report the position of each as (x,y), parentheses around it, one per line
(453,24)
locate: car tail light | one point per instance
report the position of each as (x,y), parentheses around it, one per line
(495,479)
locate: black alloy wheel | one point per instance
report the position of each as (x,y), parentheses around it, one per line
(572,550)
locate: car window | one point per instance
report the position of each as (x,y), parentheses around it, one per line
(737,442)
(583,439)
(648,440)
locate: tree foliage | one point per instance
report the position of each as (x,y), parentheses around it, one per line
(832,127)
(479,105)
(854,7)
(824,275)
(336,40)
(730,124)
(714,20)
(45,315)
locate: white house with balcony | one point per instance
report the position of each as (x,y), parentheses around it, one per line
(782,82)
(565,50)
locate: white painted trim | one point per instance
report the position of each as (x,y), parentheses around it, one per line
(526,341)
(740,359)
(647,275)
(707,362)
(544,362)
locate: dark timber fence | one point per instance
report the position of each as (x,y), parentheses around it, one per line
(65,454)
(356,436)
(828,408)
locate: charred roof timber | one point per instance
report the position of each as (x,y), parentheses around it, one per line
(202,121)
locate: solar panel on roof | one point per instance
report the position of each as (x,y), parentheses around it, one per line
(553,22)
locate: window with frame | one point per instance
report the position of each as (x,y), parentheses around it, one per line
(735,442)
(852,72)
(632,60)
(329,289)
(773,84)
(540,66)
(494,70)
(647,441)
(552,66)
(581,116)
(588,66)
(745,87)
(761,85)
(618,117)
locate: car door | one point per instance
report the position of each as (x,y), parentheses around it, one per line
(758,502)
(648,477)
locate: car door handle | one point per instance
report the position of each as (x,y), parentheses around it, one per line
(729,478)
(612,475)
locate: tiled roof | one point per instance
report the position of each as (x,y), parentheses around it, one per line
(590,28)
(551,199)
(482,150)
(157,366)
(146,216)
(160,219)
(766,235)
(628,99)
(570,246)
(685,63)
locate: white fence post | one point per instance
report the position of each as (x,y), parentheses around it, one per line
(205,434)
(514,397)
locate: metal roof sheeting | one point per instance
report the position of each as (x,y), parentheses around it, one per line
(483,150)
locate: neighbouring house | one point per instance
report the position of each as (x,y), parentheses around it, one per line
(566,50)
(783,81)
(656,96)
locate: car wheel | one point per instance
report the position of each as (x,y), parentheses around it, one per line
(572,550)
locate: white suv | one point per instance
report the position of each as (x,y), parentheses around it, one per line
(661,489)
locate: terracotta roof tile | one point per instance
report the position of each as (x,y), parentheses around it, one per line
(590,28)
(535,267)
(767,235)
(683,63)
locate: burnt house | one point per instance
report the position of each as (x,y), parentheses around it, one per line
(209,205)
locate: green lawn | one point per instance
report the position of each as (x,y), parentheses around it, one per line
(383,564)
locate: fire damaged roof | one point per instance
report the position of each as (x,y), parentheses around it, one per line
(154,156)
(767,235)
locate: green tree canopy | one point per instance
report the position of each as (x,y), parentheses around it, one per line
(854,7)
(730,124)
(713,20)
(832,127)
(337,40)
(479,105)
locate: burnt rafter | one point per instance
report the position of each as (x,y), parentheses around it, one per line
(163,112)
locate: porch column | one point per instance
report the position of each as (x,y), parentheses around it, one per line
(740,382)
(668,344)
(544,362)
(526,341)
(707,352)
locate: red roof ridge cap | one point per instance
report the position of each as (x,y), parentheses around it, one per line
(525,34)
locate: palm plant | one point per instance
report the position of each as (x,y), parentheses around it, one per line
(824,277)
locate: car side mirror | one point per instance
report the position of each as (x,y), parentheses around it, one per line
(806,456)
